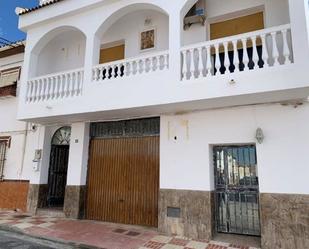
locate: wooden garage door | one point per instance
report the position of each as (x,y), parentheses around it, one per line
(123,180)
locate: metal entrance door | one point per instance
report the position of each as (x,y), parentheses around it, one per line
(58,167)
(57,177)
(237,190)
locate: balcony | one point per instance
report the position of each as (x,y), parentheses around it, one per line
(71,76)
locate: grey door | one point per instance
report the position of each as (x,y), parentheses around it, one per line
(237,190)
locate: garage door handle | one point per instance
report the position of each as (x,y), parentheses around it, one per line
(121,200)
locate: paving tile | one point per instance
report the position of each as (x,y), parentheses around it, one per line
(48,224)
(171,246)
(179,242)
(162,239)
(154,244)
(197,245)
(5,221)
(23,225)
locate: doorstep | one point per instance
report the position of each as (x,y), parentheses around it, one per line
(93,234)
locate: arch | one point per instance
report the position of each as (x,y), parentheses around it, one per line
(124,11)
(62,136)
(40,65)
(49,35)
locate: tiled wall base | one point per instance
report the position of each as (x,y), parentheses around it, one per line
(196,213)
(284,221)
(74,202)
(37,197)
(13,195)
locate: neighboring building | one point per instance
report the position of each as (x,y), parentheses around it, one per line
(190,116)
(14,180)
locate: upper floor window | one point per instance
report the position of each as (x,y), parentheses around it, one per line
(4,144)
(9,77)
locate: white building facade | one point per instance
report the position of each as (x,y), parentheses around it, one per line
(185,115)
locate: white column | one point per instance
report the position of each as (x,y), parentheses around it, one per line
(91,57)
(175,25)
(299,17)
(78,156)
(39,174)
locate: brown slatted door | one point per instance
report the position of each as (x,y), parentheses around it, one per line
(123,180)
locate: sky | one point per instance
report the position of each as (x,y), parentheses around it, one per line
(9,20)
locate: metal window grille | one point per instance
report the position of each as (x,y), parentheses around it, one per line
(3,147)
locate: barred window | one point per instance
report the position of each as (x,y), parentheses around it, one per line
(4,144)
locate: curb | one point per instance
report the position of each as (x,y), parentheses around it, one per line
(54,240)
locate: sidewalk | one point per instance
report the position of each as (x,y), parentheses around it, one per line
(89,234)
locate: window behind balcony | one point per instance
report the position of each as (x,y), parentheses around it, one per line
(237,26)
(3,150)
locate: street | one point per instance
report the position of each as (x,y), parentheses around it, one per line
(10,240)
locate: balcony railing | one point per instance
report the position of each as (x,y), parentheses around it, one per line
(131,67)
(250,51)
(267,48)
(55,86)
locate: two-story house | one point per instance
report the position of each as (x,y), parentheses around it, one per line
(190,116)
(13,134)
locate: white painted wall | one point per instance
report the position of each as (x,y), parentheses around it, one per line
(129,27)
(186,163)
(65,52)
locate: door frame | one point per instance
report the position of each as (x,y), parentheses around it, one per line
(214,168)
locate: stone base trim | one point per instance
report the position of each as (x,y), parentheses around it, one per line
(74,202)
(284,221)
(13,194)
(196,218)
(37,197)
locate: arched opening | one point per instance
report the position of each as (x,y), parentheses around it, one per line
(59,50)
(133,31)
(58,166)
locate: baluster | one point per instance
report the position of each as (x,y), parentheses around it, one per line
(115,69)
(28,91)
(245,54)
(265,55)
(236,57)
(166,61)
(208,62)
(159,67)
(54,87)
(50,86)
(192,66)
(286,50)
(41,89)
(101,73)
(150,65)
(67,85)
(128,69)
(226,57)
(45,88)
(275,49)
(35,85)
(200,63)
(81,82)
(184,65)
(217,56)
(32,91)
(72,84)
(255,56)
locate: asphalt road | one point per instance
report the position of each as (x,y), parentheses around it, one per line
(12,240)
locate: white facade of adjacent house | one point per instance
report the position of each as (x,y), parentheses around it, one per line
(198,108)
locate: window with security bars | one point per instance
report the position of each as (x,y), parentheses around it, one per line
(3,148)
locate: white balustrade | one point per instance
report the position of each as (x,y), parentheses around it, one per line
(55,86)
(131,67)
(250,51)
